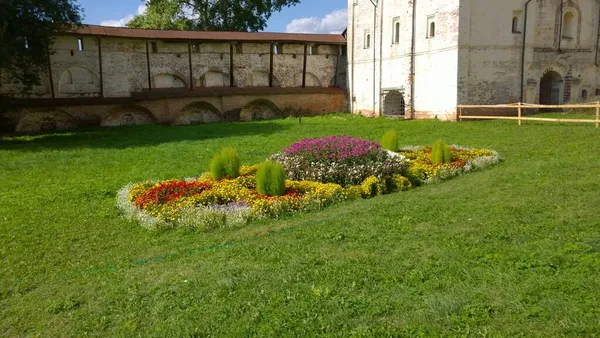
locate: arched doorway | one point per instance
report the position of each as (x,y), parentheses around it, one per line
(393,103)
(551,88)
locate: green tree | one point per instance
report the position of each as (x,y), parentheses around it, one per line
(27,28)
(210,15)
(166,14)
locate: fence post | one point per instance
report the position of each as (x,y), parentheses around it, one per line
(597,114)
(458,113)
(519,112)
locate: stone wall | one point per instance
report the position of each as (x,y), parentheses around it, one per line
(178,82)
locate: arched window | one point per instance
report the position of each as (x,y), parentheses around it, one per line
(569,26)
(584,94)
(368,41)
(597,92)
(515,25)
(431,30)
(397,32)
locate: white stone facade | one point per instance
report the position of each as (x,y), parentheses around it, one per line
(469,52)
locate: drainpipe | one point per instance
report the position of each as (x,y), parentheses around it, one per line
(352,62)
(523,50)
(412,59)
(374,53)
(380,58)
(598,38)
(561,25)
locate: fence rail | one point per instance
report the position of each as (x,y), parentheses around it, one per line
(522,106)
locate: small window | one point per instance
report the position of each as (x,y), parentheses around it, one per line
(568,31)
(515,25)
(432,30)
(154,47)
(367,40)
(597,91)
(26,44)
(313,50)
(344,50)
(584,94)
(397,32)
(239,48)
(80,44)
(275,49)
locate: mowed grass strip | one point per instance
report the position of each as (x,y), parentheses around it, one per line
(510,251)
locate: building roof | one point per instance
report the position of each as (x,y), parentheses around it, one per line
(203,35)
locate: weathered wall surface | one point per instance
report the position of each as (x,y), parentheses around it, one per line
(178,111)
(195,77)
(491,50)
(381,66)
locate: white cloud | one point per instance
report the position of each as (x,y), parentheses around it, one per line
(124,20)
(333,23)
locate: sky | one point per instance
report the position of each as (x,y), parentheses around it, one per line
(310,16)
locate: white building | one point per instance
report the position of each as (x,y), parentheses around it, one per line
(422,58)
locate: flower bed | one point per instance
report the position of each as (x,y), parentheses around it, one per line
(320,172)
(342,160)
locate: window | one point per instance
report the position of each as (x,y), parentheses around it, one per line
(597,91)
(313,50)
(275,49)
(154,47)
(26,44)
(239,49)
(80,44)
(396,34)
(430,27)
(584,94)
(516,22)
(568,25)
(367,39)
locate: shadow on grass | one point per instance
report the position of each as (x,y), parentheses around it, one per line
(136,136)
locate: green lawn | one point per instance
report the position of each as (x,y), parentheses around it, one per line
(510,251)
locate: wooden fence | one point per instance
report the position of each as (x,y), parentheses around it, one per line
(523,106)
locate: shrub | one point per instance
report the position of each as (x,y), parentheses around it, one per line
(270,179)
(399,183)
(225,164)
(391,140)
(440,153)
(372,186)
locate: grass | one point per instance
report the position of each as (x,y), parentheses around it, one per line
(511,251)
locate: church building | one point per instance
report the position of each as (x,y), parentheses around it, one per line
(422,58)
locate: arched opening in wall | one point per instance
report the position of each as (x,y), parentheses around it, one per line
(260,109)
(584,94)
(515,25)
(311,80)
(551,89)
(213,78)
(393,103)
(197,112)
(597,93)
(569,25)
(45,121)
(431,30)
(78,80)
(397,32)
(128,115)
(167,81)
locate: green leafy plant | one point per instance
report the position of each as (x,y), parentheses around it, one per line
(225,164)
(270,179)
(390,140)
(440,153)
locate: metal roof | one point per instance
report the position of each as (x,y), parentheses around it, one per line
(203,35)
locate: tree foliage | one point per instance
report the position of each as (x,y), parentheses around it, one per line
(27,28)
(209,15)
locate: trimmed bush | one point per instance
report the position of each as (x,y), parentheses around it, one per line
(225,164)
(391,140)
(270,179)
(440,153)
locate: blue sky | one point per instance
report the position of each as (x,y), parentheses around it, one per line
(310,16)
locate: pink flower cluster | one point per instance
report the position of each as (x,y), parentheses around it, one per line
(334,149)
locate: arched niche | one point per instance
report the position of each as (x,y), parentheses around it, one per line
(197,112)
(260,109)
(311,80)
(45,121)
(166,80)
(260,78)
(128,115)
(78,80)
(213,78)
